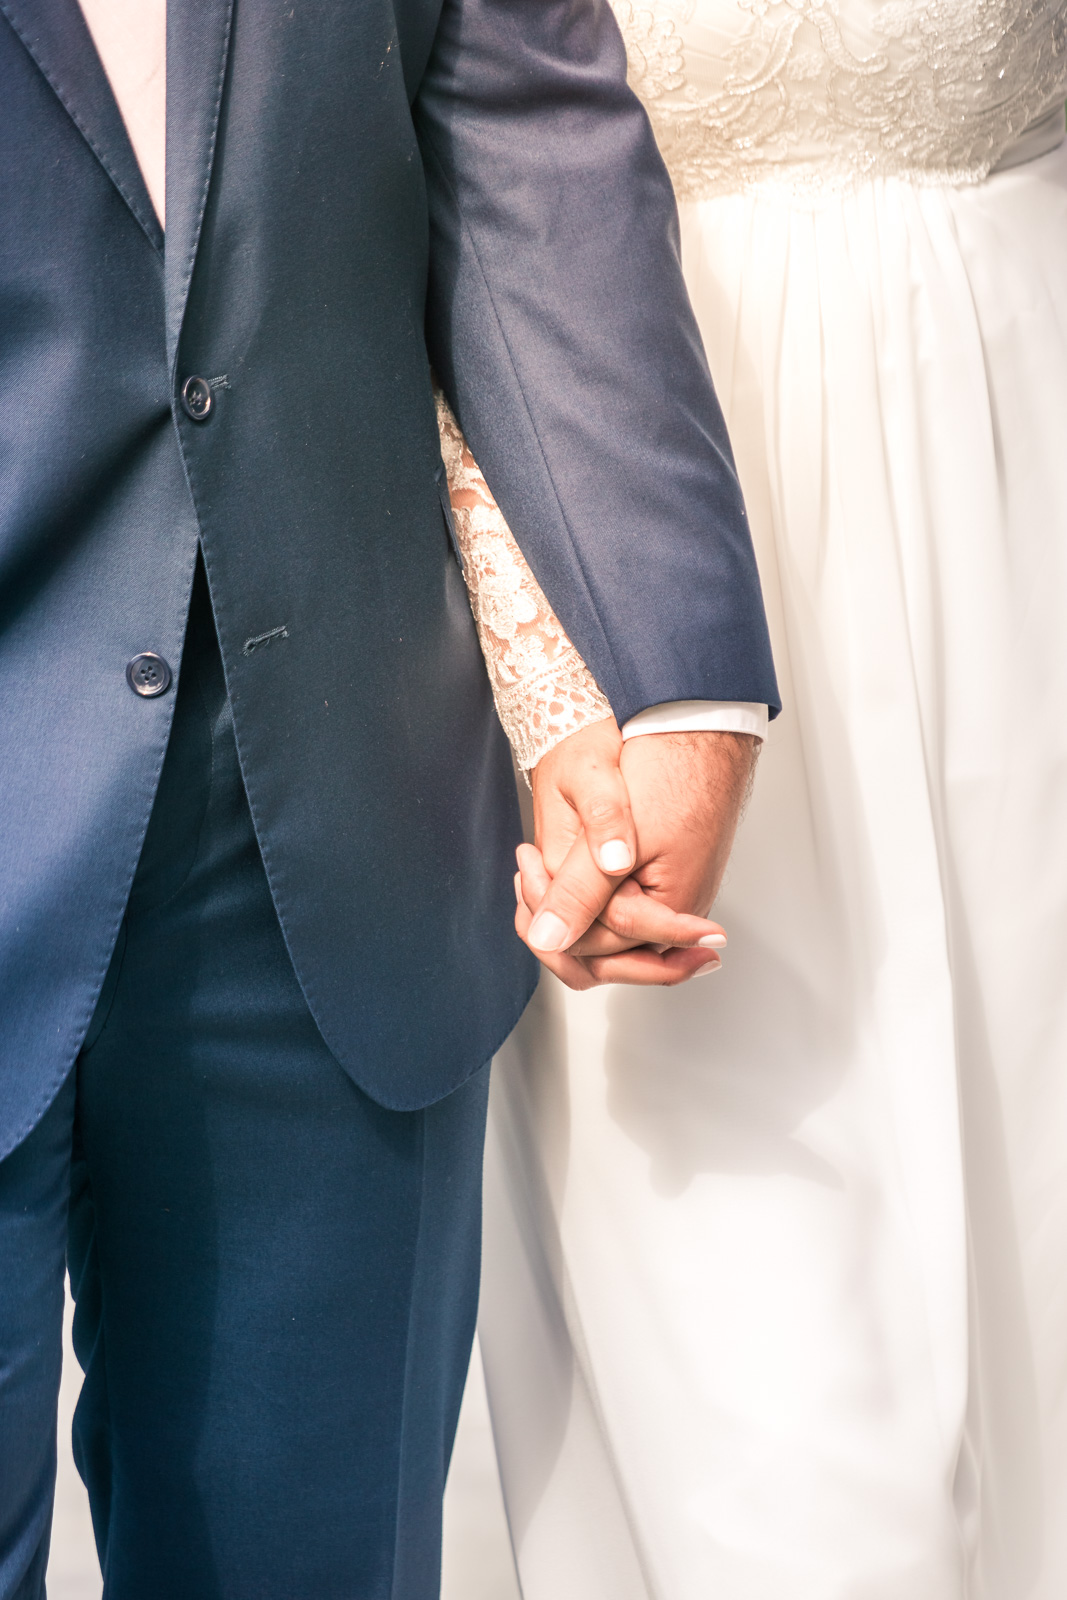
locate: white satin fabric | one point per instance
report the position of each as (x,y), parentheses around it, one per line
(775,1299)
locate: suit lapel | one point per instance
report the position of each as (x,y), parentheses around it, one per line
(198,40)
(56,36)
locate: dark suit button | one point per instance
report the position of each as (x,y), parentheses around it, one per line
(197,399)
(148,674)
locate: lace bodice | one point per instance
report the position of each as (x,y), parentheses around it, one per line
(812,95)
(542,687)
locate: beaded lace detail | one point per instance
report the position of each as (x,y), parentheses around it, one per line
(542,687)
(815,95)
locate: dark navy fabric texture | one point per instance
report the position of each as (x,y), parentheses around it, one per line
(345,185)
(275,1277)
(34,1190)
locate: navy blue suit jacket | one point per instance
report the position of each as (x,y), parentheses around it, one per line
(353,190)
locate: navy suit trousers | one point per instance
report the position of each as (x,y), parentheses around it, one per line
(275,1278)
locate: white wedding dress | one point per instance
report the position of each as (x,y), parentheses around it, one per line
(775,1298)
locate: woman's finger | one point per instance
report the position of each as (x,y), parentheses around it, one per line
(534,876)
(578,786)
(640,918)
(600,941)
(603,806)
(631,917)
(645,967)
(574,899)
(567,967)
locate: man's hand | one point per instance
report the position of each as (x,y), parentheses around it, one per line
(632,841)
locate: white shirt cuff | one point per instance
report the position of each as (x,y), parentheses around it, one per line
(699,716)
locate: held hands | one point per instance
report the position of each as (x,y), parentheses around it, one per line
(632,841)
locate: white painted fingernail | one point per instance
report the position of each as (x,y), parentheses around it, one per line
(712,966)
(548,932)
(616,856)
(712,941)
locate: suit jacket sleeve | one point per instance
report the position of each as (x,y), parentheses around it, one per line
(560,328)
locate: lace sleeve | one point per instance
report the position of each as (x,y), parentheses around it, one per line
(542,687)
